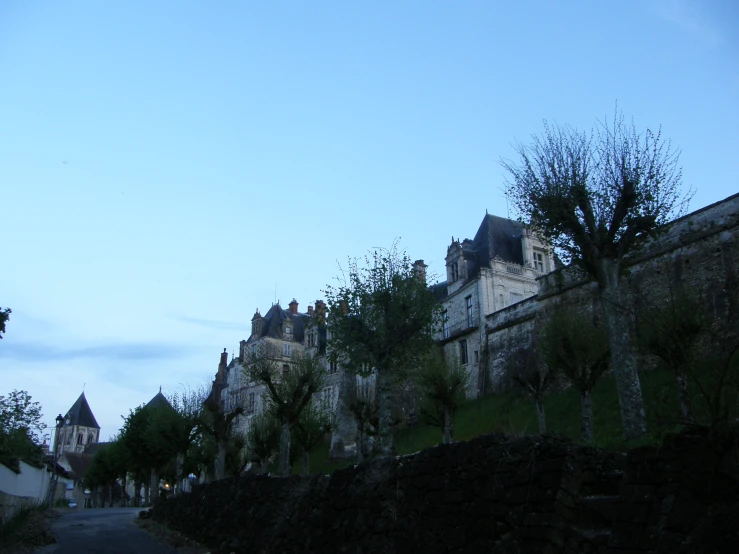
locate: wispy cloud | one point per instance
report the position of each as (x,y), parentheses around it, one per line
(689,16)
(212,323)
(116,351)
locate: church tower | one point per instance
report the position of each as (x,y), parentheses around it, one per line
(77,429)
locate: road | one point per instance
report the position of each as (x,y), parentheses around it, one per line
(102,530)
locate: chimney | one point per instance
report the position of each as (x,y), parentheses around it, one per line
(321,311)
(293,307)
(242,350)
(419,268)
(224,358)
(310,310)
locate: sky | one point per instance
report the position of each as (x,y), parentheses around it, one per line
(168,167)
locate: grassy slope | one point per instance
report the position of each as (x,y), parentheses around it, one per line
(513,413)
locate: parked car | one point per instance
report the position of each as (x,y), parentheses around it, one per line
(72,503)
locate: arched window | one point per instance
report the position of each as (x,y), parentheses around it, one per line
(89,438)
(80,438)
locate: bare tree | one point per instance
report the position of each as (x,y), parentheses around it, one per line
(288,392)
(598,197)
(576,348)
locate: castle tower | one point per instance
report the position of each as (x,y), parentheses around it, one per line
(77,429)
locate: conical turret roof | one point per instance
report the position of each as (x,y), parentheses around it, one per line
(81,414)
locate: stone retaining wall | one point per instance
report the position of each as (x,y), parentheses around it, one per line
(541,494)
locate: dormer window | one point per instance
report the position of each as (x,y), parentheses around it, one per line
(288,330)
(455,271)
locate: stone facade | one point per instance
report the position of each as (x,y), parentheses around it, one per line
(283,335)
(698,252)
(498,268)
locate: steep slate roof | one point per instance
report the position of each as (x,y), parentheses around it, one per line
(158,401)
(94,448)
(496,237)
(81,414)
(275,318)
(79,462)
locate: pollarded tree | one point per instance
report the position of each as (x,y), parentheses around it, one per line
(598,197)
(382,319)
(314,423)
(262,439)
(288,393)
(526,370)
(670,330)
(572,346)
(361,402)
(442,385)
(217,422)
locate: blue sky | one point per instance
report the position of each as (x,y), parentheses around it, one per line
(168,167)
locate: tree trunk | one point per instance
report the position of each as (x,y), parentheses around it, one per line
(360,444)
(284,465)
(540,416)
(684,396)
(586,402)
(220,465)
(448,430)
(179,464)
(623,360)
(136,493)
(385,412)
(154,487)
(123,491)
(306,463)
(146,494)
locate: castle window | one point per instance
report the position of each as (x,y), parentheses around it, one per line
(288,330)
(333,365)
(80,438)
(455,271)
(445,324)
(250,405)
(470,320)
(463,352)
(89,438)
(286,350)
(285,370)
(476,356)
(539,261)
(311,339)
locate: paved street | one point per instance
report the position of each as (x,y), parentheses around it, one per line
(103,530)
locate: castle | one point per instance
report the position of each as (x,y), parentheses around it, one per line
(498,286)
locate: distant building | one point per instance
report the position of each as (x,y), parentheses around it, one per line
(496,269)
(283,335)
(79,428)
